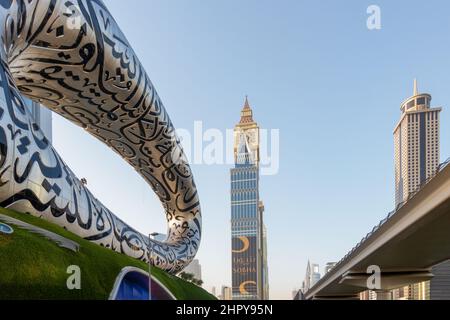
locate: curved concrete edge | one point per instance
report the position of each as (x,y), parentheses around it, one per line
(59,240)
(126,270)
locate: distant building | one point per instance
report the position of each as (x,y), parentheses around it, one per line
(194,268)
(315,276)
(298,295)
(306,284)
(312,276)
(226,293)
(213,291)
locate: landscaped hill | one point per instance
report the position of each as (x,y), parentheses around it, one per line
(33,267)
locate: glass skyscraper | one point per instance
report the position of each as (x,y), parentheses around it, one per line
(248,234)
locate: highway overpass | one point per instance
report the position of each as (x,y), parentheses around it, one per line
(405,245)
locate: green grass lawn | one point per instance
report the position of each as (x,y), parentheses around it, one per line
(32,267)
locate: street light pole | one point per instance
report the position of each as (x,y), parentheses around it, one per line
(150,251)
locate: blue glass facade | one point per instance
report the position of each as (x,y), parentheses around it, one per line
(244,192)
(134,286)
(245,226)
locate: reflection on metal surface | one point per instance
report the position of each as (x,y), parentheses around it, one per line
(5,229)
(132,284)
(72,57)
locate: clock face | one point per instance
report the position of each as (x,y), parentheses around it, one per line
(252,137)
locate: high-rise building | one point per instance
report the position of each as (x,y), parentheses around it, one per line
(264,268)
(416,144)
(306,284)
(248,233)
(315,275)
(312,276)
(298,295)
(416,140)
(194,268)
(226,293)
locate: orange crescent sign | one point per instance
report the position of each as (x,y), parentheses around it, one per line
(245,245)
(242,289)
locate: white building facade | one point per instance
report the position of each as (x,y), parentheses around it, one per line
(416,152)
(416,144)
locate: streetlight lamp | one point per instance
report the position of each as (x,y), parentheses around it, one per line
(150,250)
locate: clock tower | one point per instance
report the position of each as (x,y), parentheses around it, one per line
(248,129)
(248,233)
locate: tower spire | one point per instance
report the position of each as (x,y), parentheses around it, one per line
(416,91)
(246,113)
(246,104)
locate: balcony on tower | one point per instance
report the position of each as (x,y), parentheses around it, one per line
(418,101)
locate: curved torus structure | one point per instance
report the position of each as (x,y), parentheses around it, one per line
(71,57)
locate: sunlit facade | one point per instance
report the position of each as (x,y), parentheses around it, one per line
(416,152)
(416,144)
(249,250)
(42,117)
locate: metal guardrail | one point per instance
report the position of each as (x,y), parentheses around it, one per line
(391,214)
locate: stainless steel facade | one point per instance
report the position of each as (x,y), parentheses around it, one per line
(72,58)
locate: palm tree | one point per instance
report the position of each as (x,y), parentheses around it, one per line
(190,278)
(198,282)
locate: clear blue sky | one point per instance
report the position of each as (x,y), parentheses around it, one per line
(311,69)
